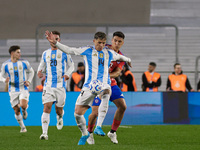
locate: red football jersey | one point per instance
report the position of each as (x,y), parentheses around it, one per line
(113,66)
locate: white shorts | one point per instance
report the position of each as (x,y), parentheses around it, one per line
(15,97)
(86,97)
(57,95)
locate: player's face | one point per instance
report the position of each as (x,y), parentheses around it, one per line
(16,54)
(57,38)
(177,69)
(81,69)
(99,44)
(117,43)
(151,68)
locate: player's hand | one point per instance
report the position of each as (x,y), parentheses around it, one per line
(26,83)
(7,80)
(40,74)
(50,37)
(65,77)
(129,63)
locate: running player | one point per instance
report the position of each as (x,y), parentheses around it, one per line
(116,97)
(14,72)
(97,61)
(54,63)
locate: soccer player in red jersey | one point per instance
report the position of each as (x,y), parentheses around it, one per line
(117,97)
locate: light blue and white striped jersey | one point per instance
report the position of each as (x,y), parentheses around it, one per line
(17,72)
(54,63)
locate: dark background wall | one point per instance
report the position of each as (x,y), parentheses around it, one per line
(19,18)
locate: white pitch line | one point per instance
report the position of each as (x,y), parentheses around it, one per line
(125,126)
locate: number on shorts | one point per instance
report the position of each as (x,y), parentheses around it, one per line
(44,92)
(82,93)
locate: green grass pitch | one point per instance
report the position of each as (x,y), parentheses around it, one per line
(149,137)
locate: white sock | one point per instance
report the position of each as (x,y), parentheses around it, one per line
(45,122)
(20,120)
(103,108)
(81,123)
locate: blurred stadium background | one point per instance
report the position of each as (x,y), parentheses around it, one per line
(142,44)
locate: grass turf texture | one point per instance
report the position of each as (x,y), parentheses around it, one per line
(150,137)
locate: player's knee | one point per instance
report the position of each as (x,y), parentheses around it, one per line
(24,106)
(47,109)
(95,114)
(17,110)
(123,108)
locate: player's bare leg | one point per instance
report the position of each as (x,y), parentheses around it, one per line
(81,122)
(121,107)
(19,119)
(91,123)
(24,105)
(60,113)
(45,120)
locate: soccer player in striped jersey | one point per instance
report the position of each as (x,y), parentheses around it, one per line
(97,60)
(54,63)
(116,97)
(14,72)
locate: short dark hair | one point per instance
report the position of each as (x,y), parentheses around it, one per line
(119,34)
(176,64)
(80,64)
(152,64)
(56,33)
(13,48)
(100,35)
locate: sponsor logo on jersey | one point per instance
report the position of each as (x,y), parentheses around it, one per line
(11,69)
(20,67)
(101,55)
(48,57)
(15,68)
(53,56)
(94,54)
(59,56)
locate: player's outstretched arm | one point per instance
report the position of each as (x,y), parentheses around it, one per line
(119,57)
(66,49)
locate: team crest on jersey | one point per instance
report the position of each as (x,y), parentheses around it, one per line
(15,68)
(53,56)
(59,56)
(101,55)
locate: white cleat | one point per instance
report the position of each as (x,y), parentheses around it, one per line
(113,137)
(44,137)
(90,140)
(59,123)
(23,130)
(24,114)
